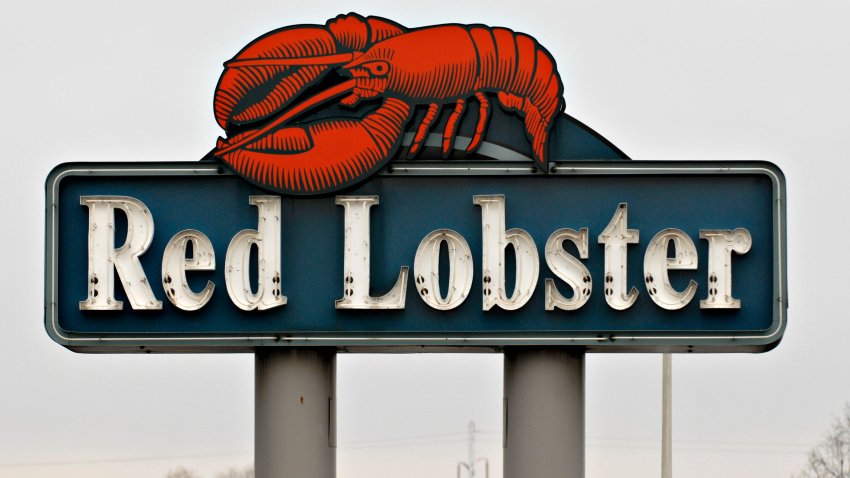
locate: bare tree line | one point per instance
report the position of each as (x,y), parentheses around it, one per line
(830,458)
(183,472)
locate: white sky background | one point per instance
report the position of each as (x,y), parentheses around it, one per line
(756,80)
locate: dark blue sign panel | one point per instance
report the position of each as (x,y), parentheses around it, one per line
(416,198)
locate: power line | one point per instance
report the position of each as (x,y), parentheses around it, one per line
(408,443)
(700,445)
(105,461)
(609,442)
(435,438)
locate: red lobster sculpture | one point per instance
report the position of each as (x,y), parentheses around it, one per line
(434,66)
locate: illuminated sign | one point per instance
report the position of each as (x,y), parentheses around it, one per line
(354,204)
(182,256)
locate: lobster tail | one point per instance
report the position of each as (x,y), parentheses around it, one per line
(523,75)
(537,129)
(545,102)
(538,123)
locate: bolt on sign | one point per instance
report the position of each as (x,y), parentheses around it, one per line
(398,188)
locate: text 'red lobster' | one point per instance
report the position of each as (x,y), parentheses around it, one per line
(434,66)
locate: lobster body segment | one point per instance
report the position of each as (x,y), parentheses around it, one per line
(433,66)
(450,63)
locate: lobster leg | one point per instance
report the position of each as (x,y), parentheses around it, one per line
(483,117)
(422,131)
(451,127)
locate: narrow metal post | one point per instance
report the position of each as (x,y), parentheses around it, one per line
(294,413)
(544,414)
(667,417)
(471,449)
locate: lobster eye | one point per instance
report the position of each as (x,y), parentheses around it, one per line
(377,68)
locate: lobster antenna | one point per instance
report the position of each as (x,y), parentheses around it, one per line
(336,59)
(289,114)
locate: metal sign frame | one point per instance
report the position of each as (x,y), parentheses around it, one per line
(757,341)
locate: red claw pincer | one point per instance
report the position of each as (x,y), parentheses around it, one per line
(256,96)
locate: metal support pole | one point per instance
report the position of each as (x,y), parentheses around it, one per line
(667,417)
(471,449)
(295,413)
(544,414)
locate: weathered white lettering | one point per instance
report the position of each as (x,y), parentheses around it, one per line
(356,260)
(266,238)
(657,262)
(721,244)
(105,259)
(191,250)
(175,264)
(495,240)
(426,269)
(568,269)
(616,237)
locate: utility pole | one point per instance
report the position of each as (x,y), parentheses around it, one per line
(667,416)
(471,449)
(470,465)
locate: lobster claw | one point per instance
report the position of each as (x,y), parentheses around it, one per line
(250,90)
(320,156)
(258,91)
(271,71)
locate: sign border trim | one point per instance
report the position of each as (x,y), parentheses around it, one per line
(744,342)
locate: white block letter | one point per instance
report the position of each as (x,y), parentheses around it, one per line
(105,259)
(657,262)
(266,238)
(175,264)
(426,269)
(721,244)
(616,238)
(356,260)
(568,269)
(495,240)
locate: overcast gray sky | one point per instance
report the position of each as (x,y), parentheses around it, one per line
(663,80)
